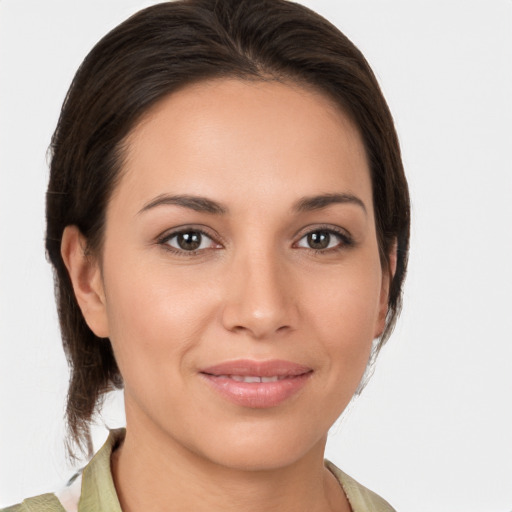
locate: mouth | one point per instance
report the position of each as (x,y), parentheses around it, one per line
(252,378)
(257,384)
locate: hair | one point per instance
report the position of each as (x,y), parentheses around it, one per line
(155,52)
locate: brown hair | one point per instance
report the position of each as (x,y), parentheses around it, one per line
(163,48)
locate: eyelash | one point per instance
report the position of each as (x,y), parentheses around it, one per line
(164,241)
(345,240)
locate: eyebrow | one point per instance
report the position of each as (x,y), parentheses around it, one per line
(307,204)
(205,205)
(196,203)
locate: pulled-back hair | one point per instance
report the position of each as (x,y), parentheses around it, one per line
(155,52)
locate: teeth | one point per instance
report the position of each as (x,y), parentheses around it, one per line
(246,378)
(253,378)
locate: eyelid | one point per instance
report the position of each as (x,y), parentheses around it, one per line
(167,235)
(346,239)
(311,228)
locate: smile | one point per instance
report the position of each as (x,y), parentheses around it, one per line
(257,384)
(253,378)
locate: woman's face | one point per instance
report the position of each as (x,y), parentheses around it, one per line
(241,280)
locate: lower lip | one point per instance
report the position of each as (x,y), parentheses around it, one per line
(257,395)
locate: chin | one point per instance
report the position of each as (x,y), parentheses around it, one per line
(263,447)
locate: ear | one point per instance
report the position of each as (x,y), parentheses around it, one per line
(387,277)
(85,274)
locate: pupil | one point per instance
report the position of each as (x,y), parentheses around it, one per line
(319,239)
(189,241)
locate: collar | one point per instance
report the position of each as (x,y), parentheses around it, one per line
(98,490)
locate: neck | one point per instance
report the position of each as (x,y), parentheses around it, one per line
(153,472)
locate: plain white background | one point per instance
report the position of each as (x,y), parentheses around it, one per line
(433,429)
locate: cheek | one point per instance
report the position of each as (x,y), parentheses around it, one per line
(343,311)
(154,314)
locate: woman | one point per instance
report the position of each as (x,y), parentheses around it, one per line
(228,221)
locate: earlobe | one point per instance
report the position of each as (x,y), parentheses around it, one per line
(85,274)
(387,278)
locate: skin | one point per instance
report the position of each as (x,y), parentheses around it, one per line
(254,290)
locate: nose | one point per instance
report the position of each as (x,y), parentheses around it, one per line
(259,298)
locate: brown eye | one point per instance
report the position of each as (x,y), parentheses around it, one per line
(319,239)
(190,241)
(324,240)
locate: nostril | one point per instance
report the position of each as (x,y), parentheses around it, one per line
(260,330)
(258,305)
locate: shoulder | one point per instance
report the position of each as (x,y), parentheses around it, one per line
(43,503)
(360,498)
(90,490)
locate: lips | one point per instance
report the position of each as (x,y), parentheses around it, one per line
(253,378)
(257,384)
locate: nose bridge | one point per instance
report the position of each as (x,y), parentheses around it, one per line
(258,299)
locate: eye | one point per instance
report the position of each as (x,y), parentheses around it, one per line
(323,239)
(189,240)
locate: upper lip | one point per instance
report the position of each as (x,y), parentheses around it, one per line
(248,367)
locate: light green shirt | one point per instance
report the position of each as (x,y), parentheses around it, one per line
(98,492)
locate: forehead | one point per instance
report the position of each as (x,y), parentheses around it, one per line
(259,139)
